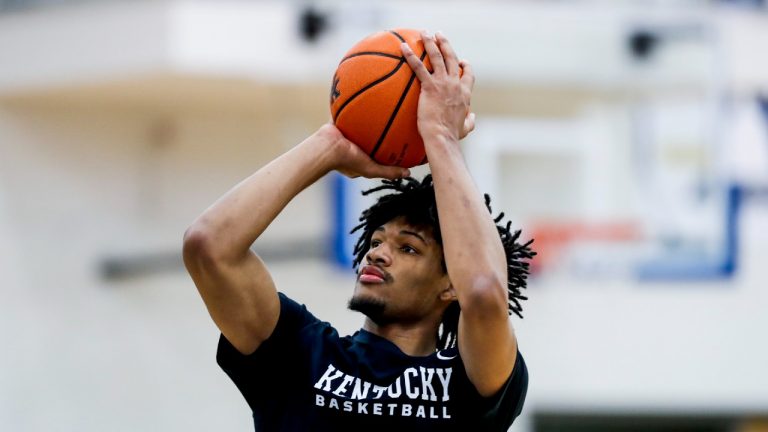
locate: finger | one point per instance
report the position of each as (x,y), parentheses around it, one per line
(469,125)
(451,61)
(389,172)
(349,174)
(435,56)
(468,77)
(421,71)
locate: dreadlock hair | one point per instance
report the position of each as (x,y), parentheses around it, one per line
(415,201)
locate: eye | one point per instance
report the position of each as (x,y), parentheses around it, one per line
(409,249)
(375,243)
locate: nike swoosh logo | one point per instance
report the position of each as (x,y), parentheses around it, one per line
(441,356)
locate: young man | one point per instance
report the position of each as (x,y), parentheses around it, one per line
(437,279)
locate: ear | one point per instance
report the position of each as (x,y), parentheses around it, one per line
(448,293)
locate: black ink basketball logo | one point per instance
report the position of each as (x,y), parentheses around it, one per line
(335,93)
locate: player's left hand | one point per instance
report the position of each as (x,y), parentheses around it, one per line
(444,102)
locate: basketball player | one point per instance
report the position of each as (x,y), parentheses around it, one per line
(436,280)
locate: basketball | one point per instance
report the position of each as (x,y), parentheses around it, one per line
(375,96)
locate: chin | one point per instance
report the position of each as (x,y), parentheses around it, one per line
(364,295)
(369,305)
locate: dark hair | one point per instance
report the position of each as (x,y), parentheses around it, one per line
(415,201)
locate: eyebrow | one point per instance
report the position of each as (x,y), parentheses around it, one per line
(406,232)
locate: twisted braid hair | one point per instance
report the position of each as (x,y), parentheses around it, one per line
(415,201)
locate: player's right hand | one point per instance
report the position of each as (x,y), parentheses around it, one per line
(348,159)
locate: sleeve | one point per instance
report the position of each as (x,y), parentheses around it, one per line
(503,408)
(256,375)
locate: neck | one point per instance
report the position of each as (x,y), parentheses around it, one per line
(415,340)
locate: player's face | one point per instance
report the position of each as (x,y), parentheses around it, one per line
(402,277)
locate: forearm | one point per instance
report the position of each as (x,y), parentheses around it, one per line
(234,283)
(239,217)
(473,251)
(476,263)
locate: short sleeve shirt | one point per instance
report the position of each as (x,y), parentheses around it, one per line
(305,377)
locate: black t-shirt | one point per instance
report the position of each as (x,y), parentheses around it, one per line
(306,377)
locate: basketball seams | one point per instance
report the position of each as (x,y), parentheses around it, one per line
(397,108)
(377,53)
(397,35)
(379,121)
(371,53)
(368,87)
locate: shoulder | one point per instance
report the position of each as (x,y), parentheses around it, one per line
(297,329)
(293,315)
(297,325)
(519,373)
(512,392)
(505,406)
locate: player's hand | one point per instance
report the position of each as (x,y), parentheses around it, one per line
(444,102)
(348,159)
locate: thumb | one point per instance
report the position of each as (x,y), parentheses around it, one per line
(390,172)
(469,125)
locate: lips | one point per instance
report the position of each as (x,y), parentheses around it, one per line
(372,274)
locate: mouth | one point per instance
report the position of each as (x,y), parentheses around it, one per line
(372,275)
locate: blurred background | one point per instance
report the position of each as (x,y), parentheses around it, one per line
(629,138)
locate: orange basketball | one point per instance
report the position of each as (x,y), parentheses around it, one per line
(375,96)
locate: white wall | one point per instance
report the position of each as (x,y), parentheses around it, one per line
(107,155)
(82,185)
(535,43)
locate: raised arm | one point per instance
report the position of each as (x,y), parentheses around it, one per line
(233,282)
(474,255)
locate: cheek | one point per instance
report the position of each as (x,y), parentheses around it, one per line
(426,280)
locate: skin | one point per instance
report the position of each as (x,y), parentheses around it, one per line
(241,296)
(474,255)
(416,290)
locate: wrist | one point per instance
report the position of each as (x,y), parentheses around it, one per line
(317,153)
(442,149)
(335,151)
(440,137)
(438,133)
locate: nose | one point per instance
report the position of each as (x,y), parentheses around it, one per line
(379,255)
